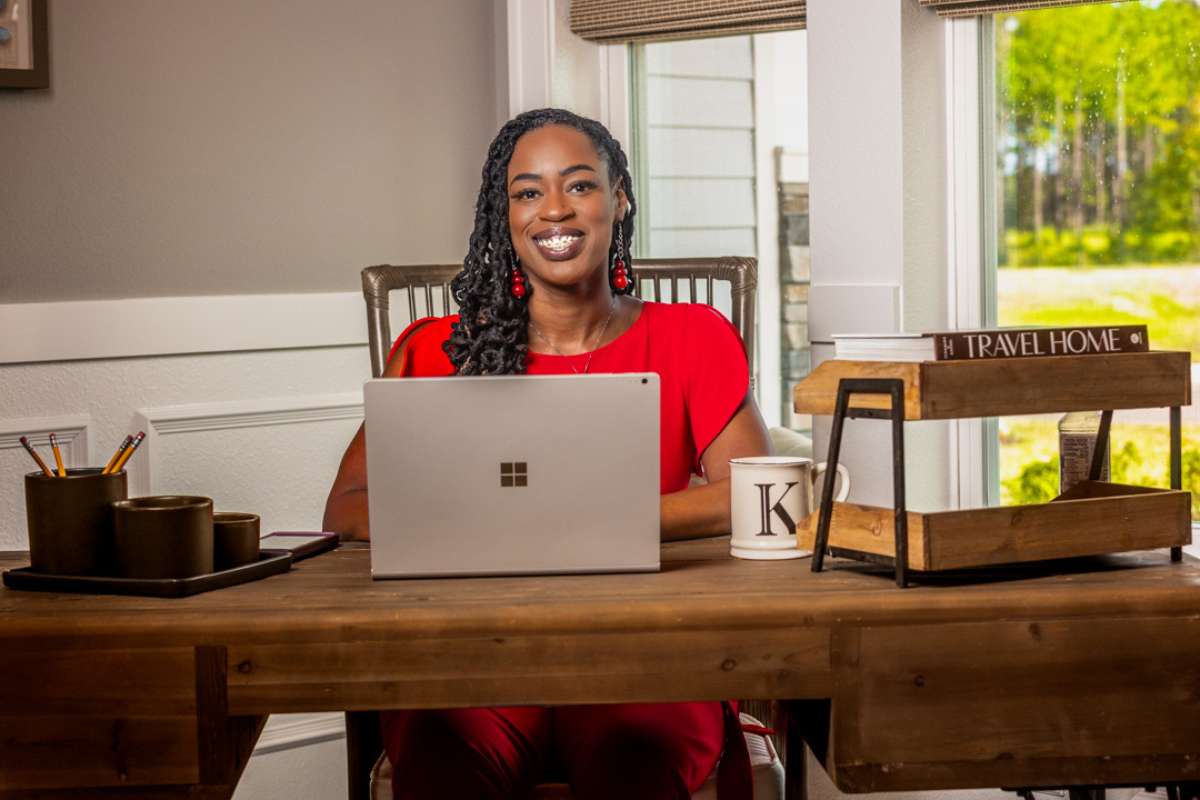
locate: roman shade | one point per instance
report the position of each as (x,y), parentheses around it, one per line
(613,21)
(969,8)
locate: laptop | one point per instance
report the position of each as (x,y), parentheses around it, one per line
(513,475)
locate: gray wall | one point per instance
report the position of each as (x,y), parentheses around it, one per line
(228,147)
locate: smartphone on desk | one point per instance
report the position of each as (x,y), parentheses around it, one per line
(302,544)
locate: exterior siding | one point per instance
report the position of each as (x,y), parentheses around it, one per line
(698,112)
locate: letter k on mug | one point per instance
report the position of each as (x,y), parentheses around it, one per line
(770,497)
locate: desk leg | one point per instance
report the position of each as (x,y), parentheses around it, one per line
(364,743)
(226,743)
(804,724)
(795,778)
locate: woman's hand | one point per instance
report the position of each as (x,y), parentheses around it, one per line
(704,510)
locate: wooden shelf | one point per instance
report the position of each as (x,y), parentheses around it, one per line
(1091,519)
(1006,386)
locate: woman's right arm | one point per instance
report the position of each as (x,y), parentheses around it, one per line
(346,507)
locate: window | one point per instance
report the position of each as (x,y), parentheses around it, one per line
(720,151)
(1097,182)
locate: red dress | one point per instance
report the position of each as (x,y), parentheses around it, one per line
(658,750)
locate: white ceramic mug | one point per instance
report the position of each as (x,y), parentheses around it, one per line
(770,497)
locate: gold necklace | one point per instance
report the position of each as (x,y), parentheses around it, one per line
(587,364)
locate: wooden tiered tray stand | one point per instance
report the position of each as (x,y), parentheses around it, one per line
(1092,518)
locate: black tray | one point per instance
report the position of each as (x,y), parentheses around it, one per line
(270,562)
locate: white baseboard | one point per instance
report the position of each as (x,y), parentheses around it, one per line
(156,326)
(286,733)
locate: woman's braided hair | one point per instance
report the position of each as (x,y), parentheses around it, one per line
(491,336)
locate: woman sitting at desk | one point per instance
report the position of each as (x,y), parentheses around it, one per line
(546,288)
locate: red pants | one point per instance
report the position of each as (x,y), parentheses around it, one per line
(631,751)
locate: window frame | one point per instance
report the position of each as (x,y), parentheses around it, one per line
(768,323)
(973,228)
(971,236)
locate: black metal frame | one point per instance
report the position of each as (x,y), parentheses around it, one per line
(894,389)
(1102,445)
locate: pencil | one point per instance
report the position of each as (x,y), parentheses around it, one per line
(128,454)
(121,449)
(25,443)
(62,471)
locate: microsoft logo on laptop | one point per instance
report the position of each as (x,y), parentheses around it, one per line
(514,473)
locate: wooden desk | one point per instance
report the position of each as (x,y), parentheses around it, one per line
(1088,676)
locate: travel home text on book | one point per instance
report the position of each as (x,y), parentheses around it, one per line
(995,343)
(1040,342)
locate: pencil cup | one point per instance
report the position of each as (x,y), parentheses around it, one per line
(70,520)
(235,539)
(168,536)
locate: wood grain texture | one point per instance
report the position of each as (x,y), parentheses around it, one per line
(531,670)
(325,636)
(1061,529)
(869,529)
(1092,520)
(1000,387)
(817,392)
(64,750)
(97,717)
(150,682)
(1013,703)
(332,598)
(1006,386)
(225,741)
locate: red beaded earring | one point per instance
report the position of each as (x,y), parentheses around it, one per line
(518,284)
(620,277)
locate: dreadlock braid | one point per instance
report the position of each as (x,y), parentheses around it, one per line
(491,336)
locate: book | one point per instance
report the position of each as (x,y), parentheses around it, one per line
(994,343)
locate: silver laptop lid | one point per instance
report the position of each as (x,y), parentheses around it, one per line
(510,475)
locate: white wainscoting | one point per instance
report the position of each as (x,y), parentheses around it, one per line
(71,431)
(259,431)
(246,456)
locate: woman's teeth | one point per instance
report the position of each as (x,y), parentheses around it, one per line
(558,242)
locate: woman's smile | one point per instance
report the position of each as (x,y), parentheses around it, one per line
(559,243)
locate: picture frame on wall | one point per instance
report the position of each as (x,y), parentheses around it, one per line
(24,44)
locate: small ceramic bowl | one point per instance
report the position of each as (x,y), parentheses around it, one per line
(235,539)
(165,536)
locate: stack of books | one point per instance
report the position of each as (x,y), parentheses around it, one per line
(993,343)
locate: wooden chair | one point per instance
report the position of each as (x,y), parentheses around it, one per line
(427,290)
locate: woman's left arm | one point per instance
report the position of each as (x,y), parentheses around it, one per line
(704,510)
